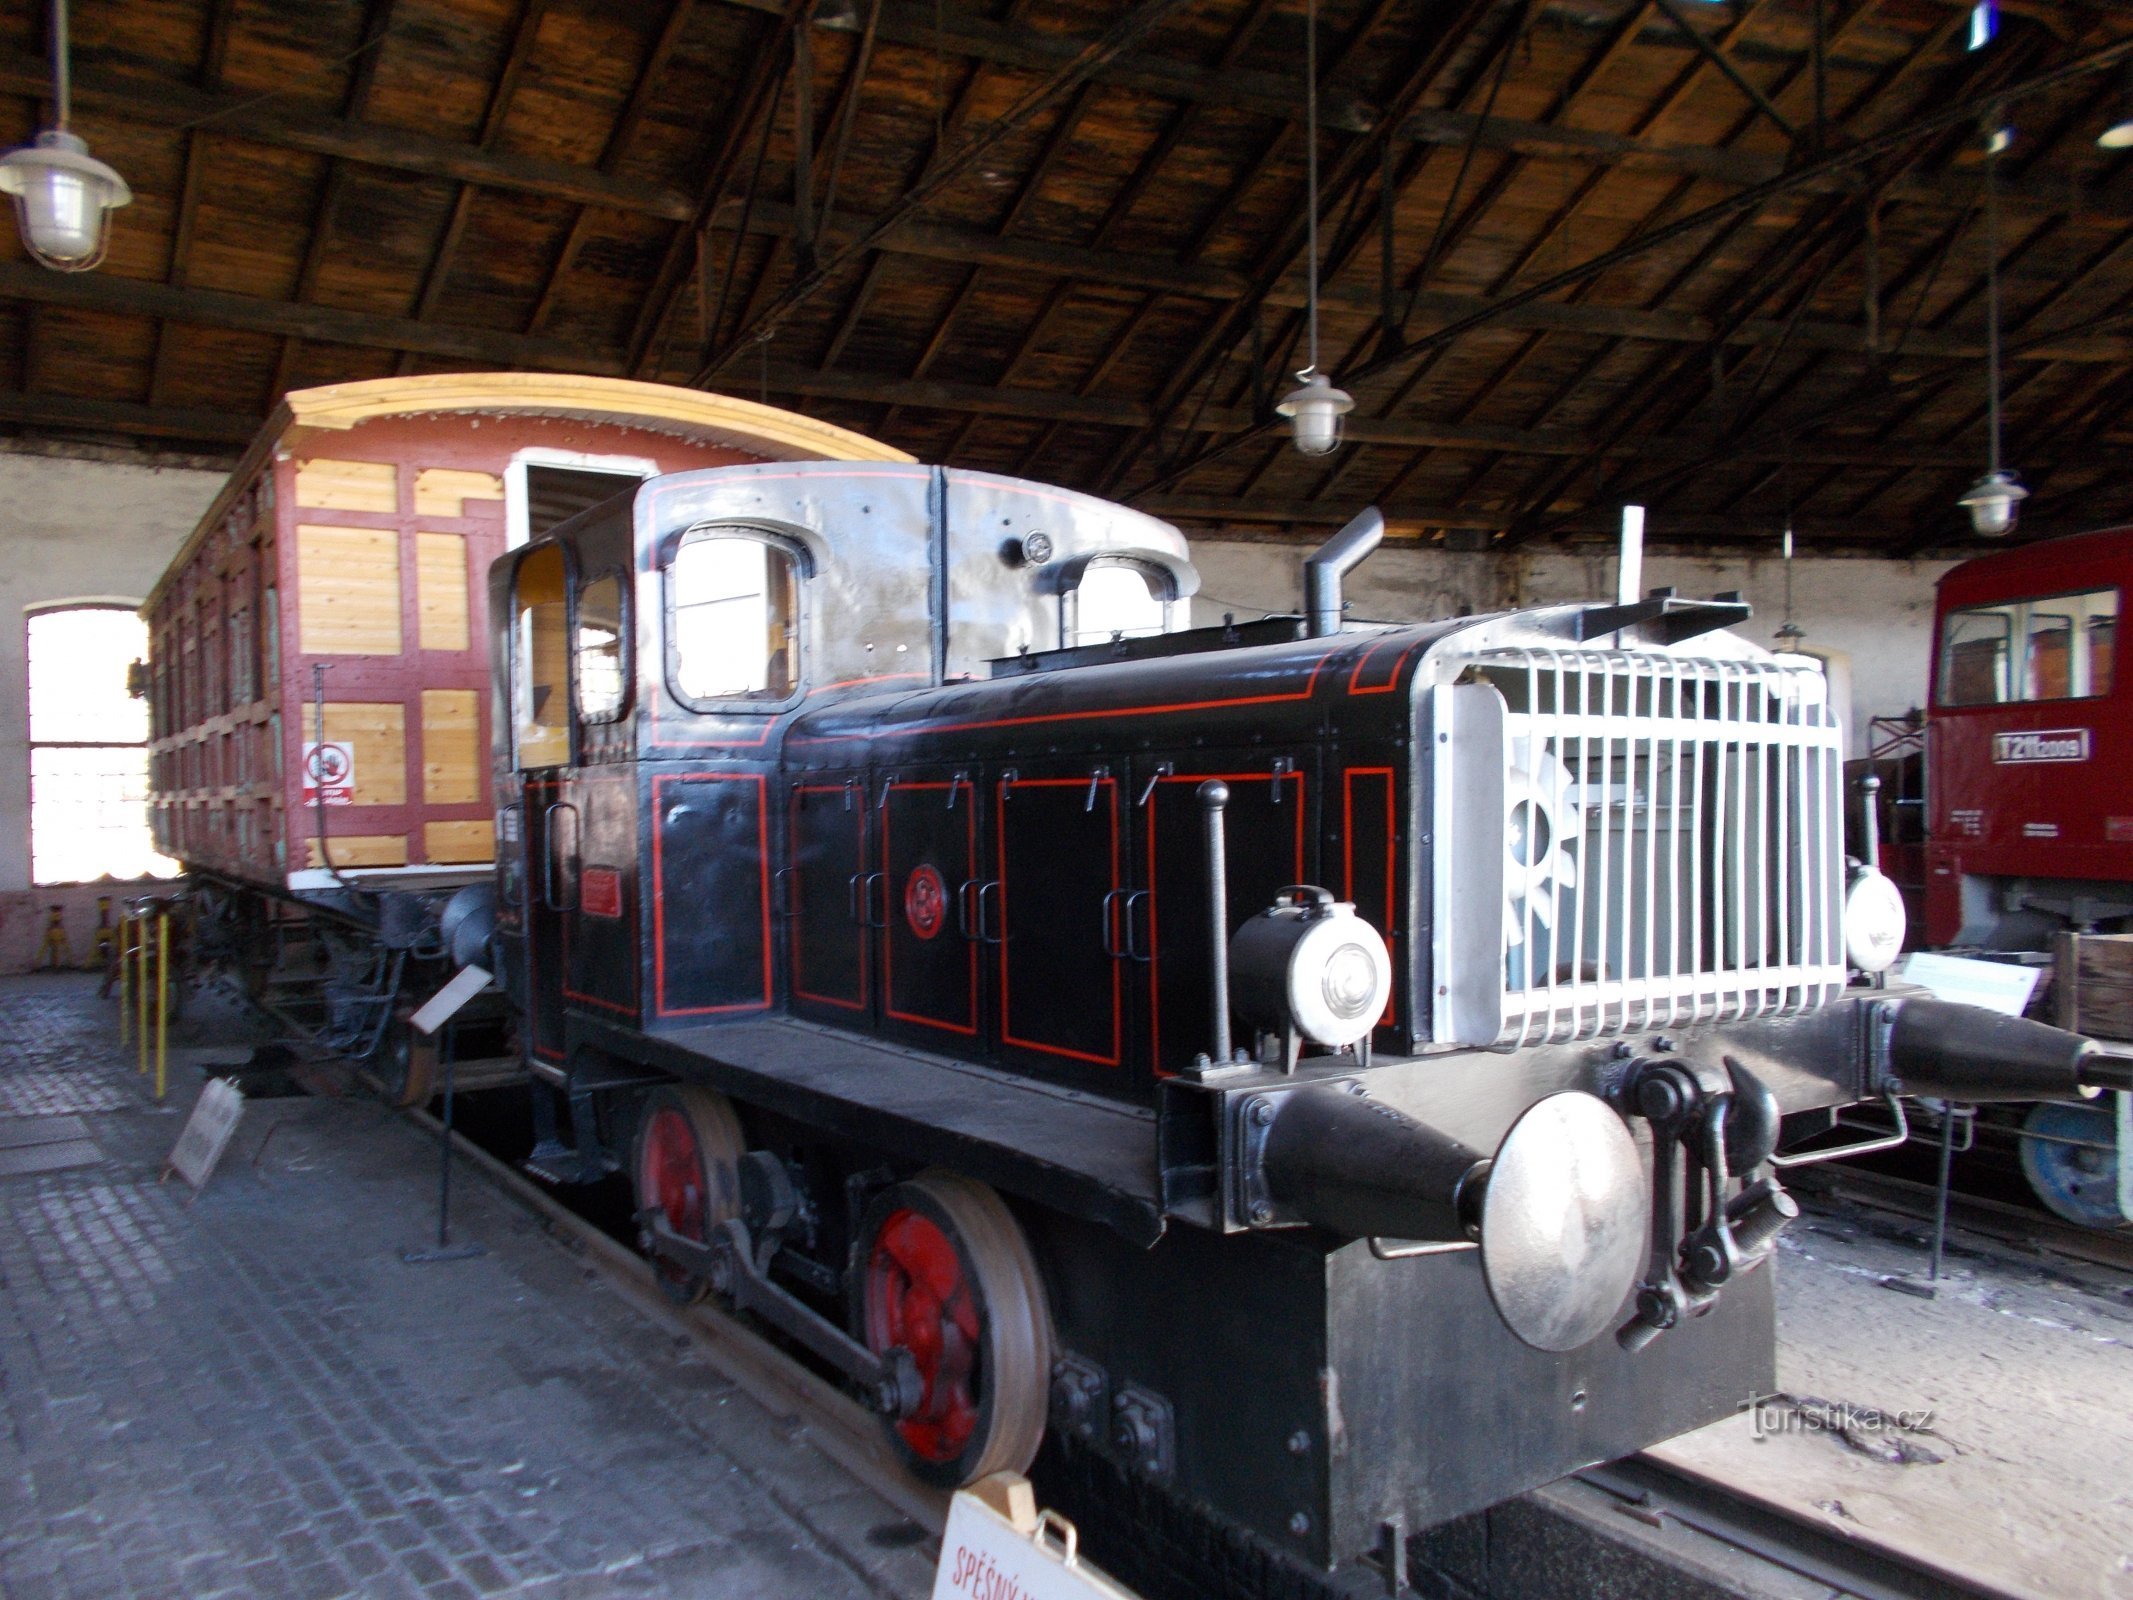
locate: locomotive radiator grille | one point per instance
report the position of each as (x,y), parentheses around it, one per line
(1654,839)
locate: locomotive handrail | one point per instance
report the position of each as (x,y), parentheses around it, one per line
(1863,1147)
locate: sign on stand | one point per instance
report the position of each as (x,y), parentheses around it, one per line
(329,773)
(999,1546)
(207,1132)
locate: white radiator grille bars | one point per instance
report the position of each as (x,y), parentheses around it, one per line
(1673,839)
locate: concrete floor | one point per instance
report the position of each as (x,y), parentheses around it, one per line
(252,1395)
(2022,1478)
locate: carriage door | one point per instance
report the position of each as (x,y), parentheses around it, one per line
(541,754)
(1265,835)
(1052,917)
(924,902)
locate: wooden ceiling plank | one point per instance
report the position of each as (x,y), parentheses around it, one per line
(756,102)
(1115,43)
(1055,145)
(1350,167)
(209,426)
(377,24)
(439,271)
(324,324)
(214,51)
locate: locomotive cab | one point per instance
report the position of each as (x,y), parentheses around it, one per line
(877,852)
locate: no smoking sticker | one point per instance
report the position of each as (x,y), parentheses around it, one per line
(329,774)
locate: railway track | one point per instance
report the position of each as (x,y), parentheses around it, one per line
(1658,1511)
(2022,1229)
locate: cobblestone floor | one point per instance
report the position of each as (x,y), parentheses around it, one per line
(253,1395)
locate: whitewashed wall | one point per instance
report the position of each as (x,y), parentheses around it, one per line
(70,530)
(1879,613)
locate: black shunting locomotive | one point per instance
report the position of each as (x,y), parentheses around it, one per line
(1339,1074)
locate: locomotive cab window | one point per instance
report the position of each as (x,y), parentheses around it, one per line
(733,618)
(603,669)
(540,660)
(1116,597)
(2059,647)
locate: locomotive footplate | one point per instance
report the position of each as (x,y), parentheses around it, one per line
(1085,1155)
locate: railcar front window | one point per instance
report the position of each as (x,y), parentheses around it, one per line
(540,661)
(2057,647)
(1974,656)
(602,679)
(735,607)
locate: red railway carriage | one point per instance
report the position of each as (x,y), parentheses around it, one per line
(318,670)
(2029,736)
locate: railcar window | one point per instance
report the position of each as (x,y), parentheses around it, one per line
(88,748)
(734,609)
(1115,598)
(2059,647)
(602,676)
(540,661)
(1974,654)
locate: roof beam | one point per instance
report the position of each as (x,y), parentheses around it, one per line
(130,96)
(327,324)
(127,417)
(159,102)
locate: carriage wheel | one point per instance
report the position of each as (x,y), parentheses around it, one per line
(945,1273)
(405,1064)
(686,1167)
(2070,1157)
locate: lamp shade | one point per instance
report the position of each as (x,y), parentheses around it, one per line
(1314,412)
(62,199)
(1992,502)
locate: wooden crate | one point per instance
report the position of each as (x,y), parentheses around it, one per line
(2093,983)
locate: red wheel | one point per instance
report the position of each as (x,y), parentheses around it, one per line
(688,1147)
(946,1274)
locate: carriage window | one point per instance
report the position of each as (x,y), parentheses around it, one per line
(2066,648)
(602,675)
(734,608)
(540,661)
(1113,598)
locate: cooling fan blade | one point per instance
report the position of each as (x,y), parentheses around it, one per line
(1542,827)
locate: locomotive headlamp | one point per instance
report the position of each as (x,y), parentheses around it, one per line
(1309,968)
(1874,921)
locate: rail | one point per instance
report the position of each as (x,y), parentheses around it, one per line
(1643,1488)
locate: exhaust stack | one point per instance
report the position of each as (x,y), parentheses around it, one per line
(1331,562)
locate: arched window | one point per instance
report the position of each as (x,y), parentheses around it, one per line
(1116,596)
(88,748)
(733,617)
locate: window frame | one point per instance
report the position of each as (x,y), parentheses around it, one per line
(524,554)
(803,563)
(31,744)
(2019,610)
(1162,583)
(626,634)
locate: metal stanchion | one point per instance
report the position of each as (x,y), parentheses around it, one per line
(140,992)
(125,977)
(162,1002)
(444,1249)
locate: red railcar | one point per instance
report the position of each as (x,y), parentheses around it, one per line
(2029,812)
